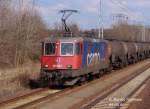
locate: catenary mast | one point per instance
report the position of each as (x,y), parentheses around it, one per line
(101,29)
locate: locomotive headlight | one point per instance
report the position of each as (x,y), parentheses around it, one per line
(46,66)
(69,66)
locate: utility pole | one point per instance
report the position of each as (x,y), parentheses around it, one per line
(143,33)
(101,29)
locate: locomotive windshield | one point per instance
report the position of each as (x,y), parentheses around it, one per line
(66,49)
(50,48)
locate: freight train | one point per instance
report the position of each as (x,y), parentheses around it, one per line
(71,60)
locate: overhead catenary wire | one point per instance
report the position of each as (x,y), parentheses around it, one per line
(131,14)
(123,7)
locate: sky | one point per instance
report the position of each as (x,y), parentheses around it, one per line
(88,16)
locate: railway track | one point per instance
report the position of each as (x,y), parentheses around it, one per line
(19,100)
(85,96)
(120,94)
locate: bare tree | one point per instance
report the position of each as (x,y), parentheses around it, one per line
(20,31)
(124,32)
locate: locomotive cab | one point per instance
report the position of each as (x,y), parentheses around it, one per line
(61,54)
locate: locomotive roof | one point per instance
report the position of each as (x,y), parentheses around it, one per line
(71,39)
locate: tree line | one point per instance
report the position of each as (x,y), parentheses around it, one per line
(21,28)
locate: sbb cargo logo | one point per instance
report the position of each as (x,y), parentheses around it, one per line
(93,58)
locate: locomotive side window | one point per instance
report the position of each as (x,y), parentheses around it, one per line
(66,49)
(50,48)
(77,48)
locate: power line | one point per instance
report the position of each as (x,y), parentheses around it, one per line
(143,29)
(123,7)
(129,12)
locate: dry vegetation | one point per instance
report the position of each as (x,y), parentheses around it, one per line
(16,79)
(21,30)
(128,32)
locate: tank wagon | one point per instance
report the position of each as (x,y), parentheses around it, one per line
(68,60)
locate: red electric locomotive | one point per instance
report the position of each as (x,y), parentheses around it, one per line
(69,60)
(61,53)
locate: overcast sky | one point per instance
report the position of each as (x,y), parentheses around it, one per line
(87,18)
